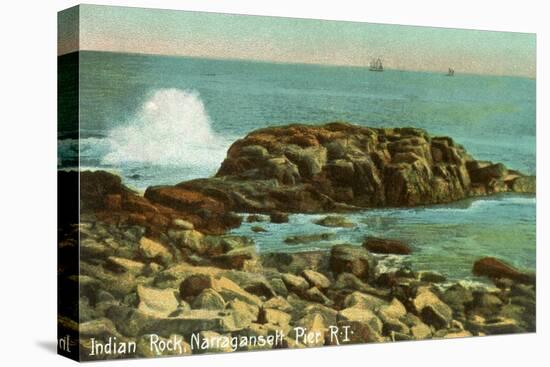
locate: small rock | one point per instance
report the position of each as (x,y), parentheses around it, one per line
(278,217)
(183,224)
(386,246)
(258,229)
(335,221)
(308,238)
(256,218)
(431,277)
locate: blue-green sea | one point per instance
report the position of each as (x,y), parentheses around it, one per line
(162,120)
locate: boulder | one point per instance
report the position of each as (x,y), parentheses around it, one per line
(316,279)
(274,317)
(315,295)
(278,303)
(432,310)
(308,238)
(335,221)
(295,283)
(352,259)
(278,217)
(362,316)
(157,302)
(153,250)
(494,268)
(208,299)
(244,314)
(190,239)
(364,301)
(386,246)
(193,285)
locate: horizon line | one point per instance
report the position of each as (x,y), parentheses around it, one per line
(295,63)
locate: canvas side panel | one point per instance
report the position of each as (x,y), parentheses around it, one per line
(67,187)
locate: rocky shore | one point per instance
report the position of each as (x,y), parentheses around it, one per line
(161,265)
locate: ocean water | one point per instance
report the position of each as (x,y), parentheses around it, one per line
(162,120)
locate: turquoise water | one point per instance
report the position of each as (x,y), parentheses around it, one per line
(162,120)
(447,239)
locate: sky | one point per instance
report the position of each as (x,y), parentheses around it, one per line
(290,40)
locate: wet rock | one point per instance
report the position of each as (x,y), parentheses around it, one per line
(316,279)
(352,259)
(278,217)
(208,299)
(431,277)
(335,221)
(525,184)
(308,238)
(494,268)
(258,229)
(257,218)
(432,310)
(386,246)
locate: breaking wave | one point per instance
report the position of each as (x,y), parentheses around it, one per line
(171,128)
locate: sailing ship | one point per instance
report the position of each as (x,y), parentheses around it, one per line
(451,72)
(376,65)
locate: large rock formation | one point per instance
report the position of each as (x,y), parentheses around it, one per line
(339,166)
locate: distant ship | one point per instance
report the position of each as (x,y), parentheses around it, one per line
(376,65)
(451,72)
